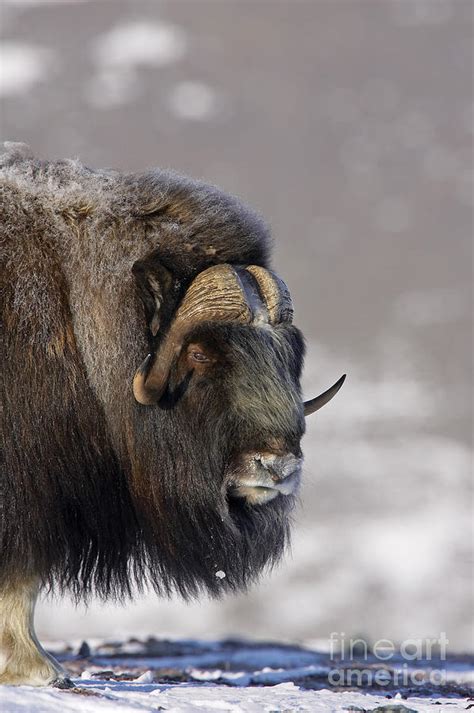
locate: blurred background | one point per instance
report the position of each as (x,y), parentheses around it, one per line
(348,125)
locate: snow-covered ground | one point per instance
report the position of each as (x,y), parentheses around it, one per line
(243,676)
(185,697)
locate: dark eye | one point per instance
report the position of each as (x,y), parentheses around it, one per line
(200,357)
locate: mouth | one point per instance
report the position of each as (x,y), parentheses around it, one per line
(257,491)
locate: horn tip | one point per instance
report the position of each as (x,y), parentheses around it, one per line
(138,384)
(143,368)
(319,401)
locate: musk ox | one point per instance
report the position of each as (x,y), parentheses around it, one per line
(152,412)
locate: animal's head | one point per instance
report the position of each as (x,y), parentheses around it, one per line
(224,383)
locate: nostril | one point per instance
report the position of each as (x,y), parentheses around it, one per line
(279,467)
(289,465)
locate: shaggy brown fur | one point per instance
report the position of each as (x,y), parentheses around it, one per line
(96,491)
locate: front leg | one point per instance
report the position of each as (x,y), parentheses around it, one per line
(22,658)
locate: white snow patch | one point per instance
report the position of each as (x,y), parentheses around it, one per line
(119,53)
(153,44)
(200,675)
(193,100)
(22,66)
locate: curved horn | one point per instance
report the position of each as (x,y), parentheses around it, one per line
(321,400)
(222,293)
(274,293)
(216,294)
(142,395)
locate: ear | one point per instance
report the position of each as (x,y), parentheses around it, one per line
(158,291)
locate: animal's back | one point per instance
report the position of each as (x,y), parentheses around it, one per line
(59,472)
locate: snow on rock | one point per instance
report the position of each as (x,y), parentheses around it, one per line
(146,677)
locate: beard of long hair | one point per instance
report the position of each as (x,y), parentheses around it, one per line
(191,532)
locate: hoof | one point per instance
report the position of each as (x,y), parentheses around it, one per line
(63,683)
